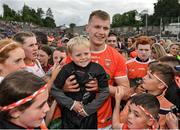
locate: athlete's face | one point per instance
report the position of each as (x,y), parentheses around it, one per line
(98,30)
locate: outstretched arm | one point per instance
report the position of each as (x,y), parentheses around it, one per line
(118,97)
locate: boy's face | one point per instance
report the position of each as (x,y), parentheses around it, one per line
(137,119)
(33,116)
(150,82)
(144,51)
(81,55)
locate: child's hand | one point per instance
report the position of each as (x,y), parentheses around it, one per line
(119,94)
(83,113)
(171,121)
(78,107)
(139,89)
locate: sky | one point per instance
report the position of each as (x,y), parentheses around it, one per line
(77,11)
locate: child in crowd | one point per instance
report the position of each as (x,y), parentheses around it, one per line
(44,57)
(30,46)
(59,54)
(156,82)
(11,57)
(143,111)
(23,101)
(79,108)
(173,92)
(159,77)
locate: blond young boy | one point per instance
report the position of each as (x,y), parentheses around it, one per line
(79,109)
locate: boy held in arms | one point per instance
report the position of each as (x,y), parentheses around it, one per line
(142,114)
(79,108)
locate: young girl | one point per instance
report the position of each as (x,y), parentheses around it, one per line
(44,57)
(30,46)
(23,101)
(143,111)
(11,57)
(58,54)
(79,108)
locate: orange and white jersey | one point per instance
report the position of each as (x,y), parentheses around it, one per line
(114,64)
(35,69)
(165,107)
(136,69)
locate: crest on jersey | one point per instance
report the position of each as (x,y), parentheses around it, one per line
(107,62)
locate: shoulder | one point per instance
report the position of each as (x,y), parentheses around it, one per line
(113,51)
(131,61)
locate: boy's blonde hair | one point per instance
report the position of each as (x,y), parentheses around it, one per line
(77,41)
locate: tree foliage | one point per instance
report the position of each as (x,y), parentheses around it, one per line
(49,22)
(168,10)
(29,15)
(72,25)
(49,13)
(125,19)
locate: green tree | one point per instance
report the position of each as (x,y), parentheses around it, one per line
(167,10)
(71,26)
(8,13)
(30,15)
(40,12)
(39,16)
(126,19)
(49,13)
(116,19)
(27,14)
(49,22)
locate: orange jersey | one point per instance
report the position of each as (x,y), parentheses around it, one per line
(114,64)
(137,69)
(165,105)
